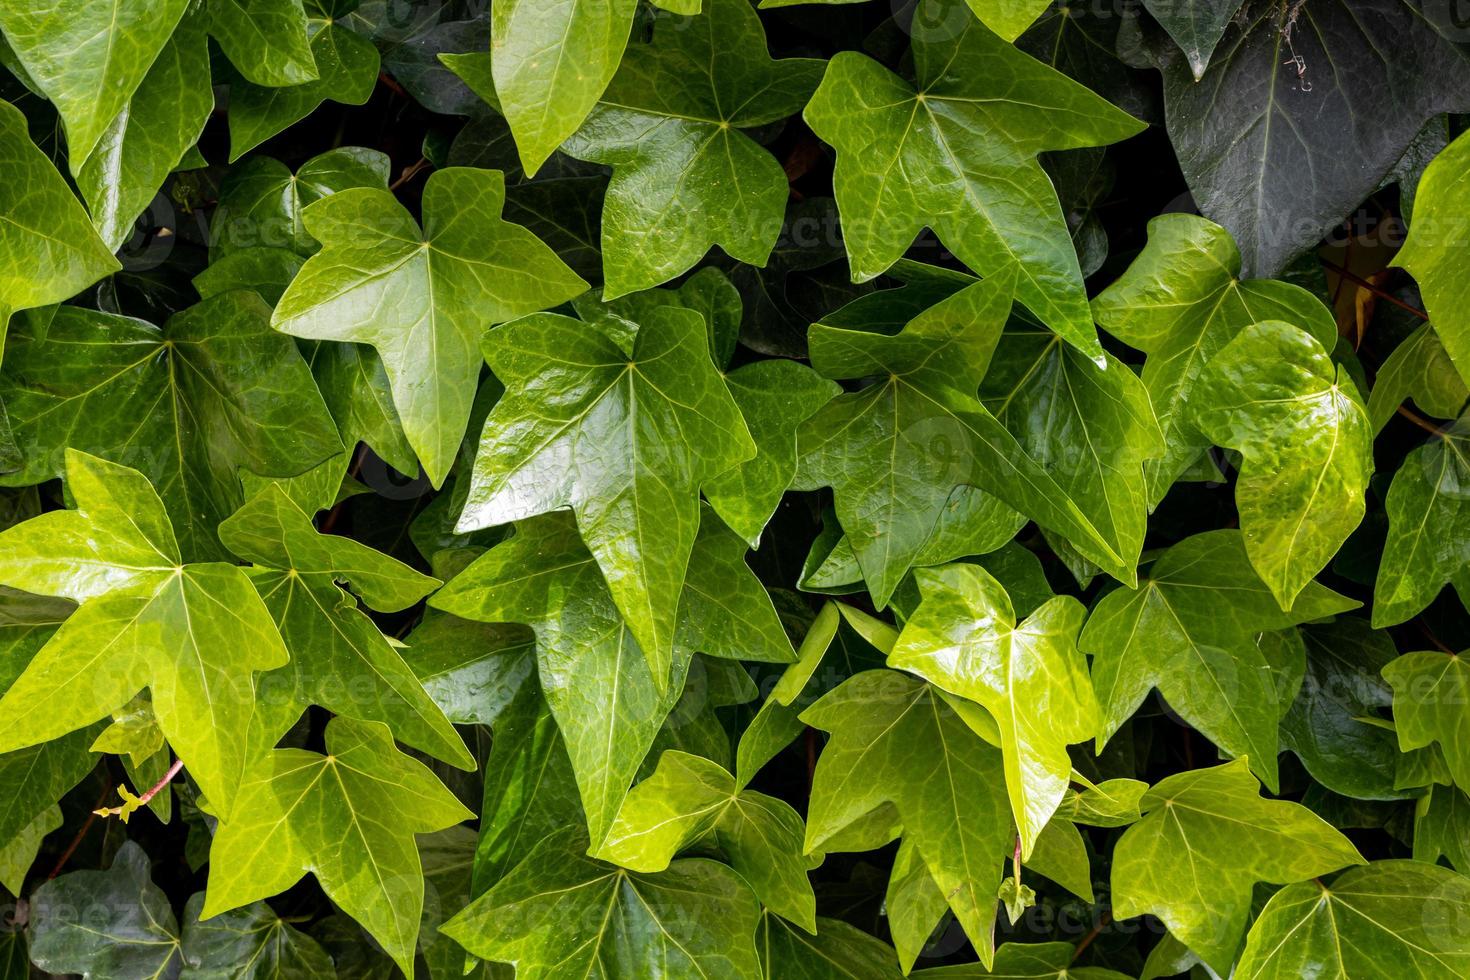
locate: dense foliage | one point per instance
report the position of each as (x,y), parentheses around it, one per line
(566,488)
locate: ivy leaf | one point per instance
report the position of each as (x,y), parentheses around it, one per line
(684,177)
(1442,828)
(213,392)
(1205,839)
(595,675)
(111,925)
(1428,542)
(1090,426)
(261,201)
(266,40)
(1324,725)
(551,63)
(1029,676)
(88,59)
(1388,918)
(1195,27)
(774,397)
(1180,302)
(690,801)
(1431,691)
(695,919)
(339,659)
(624,437)
(150,136)
(349,817)
(1421,369)
(472,670)
(896,741)
(47,245)
(1274,394)
(422,298)
(192,634)
(20,849)
(530,789)
(252,943)
(36,777)
(1294,149)
(347,72)
(988,200)
(838,951)
(1027,961)
(894,451)
(1432,251)
(1189,629)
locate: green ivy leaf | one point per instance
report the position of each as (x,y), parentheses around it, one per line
(894,451)
(349,817)
(193,634)
(266,40)
(988,200)
(1180,302)
(149,137)
(20,848)
(774,398)
(1090,427)
(213,392)
(836,952)
(1442,827)
(690,801)
(1030,677)
(347,71)
(622,433)
(88,58)
(1274,394)
(251,943)
(551,63)
(1189,629)
(685,177)
(1324,725)
(422,298)
(695,919)
(896,741)
(1432,252)
(1431,704)
(109,925)
(1421,369)
(1027,961)
(595,675)
(48,248)
(473,671)
(1205,839)
(339,659)
(1428,542)
(530,789)
(261,201)
(1389,918)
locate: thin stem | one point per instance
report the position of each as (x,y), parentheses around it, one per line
(173,771)
(86,826)
(1418,420)
(1102,924)
(409,173)
(1376,290)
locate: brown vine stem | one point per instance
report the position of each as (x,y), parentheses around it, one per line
(1419,420)
(1102,924)
(409,173)
(1376,290)
(77,840)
